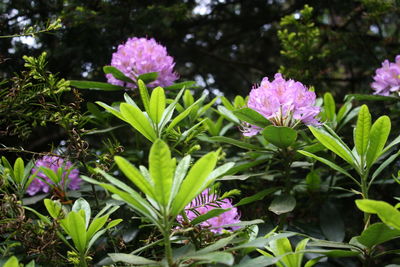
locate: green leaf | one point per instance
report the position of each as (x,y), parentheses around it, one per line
(114,223)
(235,142)
(180,173)
(82,204)
(242,223)
(280,136)
(148,77)
(211,214)
(335,145)
(53,208)
(161,171)
(329,106)
(74,225)
(157,104)
(251,116)
(386,212)
(112,110)
(334,253)
(117,74)
(212,257)
(179,86)
(19,170)
(260,195)
(384,165)
(370,97)
(362,130)
(131,259)
(144,94)
(282,204)
(376,234)
(329,163)
(195,182)
(377,139)
(96,86)
(134,176)
(228,114)
(95,226)
(331,223)
(313,180)
(188,99)
(12,262)
(138,120)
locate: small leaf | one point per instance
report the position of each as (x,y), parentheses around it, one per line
(96,86)
(282,204)
(144,94)
(82,204)
(157,104)
(280,136)
(377,139)
(19,170)
(211,214)
(179,86)
(148,77)
(53,208)
(235,142)
(131,259)
(260,195)
(376,234)
(117,74)
(138,120)
(362,130)
(329,106)
(251,116)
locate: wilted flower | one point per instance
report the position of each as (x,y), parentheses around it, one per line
(387,78)
(283,103)
(141,55)
(206,202)
(69,176)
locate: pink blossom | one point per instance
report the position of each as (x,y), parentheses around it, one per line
(206,202)
(53,163)
(139,56)
(387,78)
(284,103)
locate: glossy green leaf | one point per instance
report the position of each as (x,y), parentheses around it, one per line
(195,182)
(235,142)
(82,204)
(74,225)
(377,139)
(280,136)
(19,170)
(251,116)
(95,226)
(157,104)
(370,97)
(362,130)
(148,77)
(333,144)
(117,74)
(228,114)
(134,175)
(329,106)
(131,259)
(144,94)
(386,212)
(53,208)
(11,262)
(259,196)
(282,204)
(212,257)
(138,120)
(179,86)
(210,214)
(161,169)
(112,110)
(376,234)
(95,86)
(180,173)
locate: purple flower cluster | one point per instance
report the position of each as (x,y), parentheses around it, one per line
(387,78)
(284,103)
(139,56)
(206,202)
(53,163)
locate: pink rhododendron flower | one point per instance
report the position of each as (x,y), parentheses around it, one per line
(283,103)
(206,202)
(387,78)
(141,55)
(53,163)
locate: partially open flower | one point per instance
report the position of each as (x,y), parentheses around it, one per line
(139,56)
(387,78)
(206,202)
(69,175)
(283,103)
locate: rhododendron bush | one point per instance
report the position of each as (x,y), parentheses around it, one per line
(159,170)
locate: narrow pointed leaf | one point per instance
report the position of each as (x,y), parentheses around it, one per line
(362,130)
(161,171)
(251,116)
(144,94)
(19,170)
(377,139)
(157,104)
(112,110)
(148,77)
(117,74)
(195,182)
(138,120)
(95,86)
